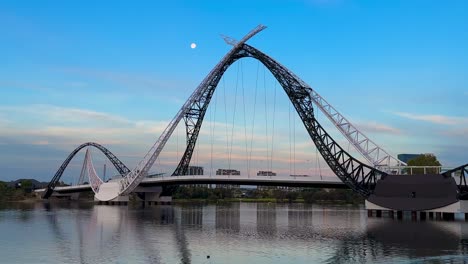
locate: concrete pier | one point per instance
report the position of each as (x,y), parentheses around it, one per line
(422,215)
(379,213)
(399,214)
(446,213)
(414,215)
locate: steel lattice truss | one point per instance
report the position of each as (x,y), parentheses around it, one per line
(372,152)
(357,175)
(461,172)
(121,168)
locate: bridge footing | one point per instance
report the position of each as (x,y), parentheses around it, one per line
(152,195)
(119,200)
(458,210)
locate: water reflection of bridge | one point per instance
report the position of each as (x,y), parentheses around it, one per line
(84,233)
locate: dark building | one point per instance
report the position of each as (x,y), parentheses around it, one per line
(195,170)
(227,172)
(266,173)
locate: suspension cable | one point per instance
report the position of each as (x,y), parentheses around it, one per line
(266,116)
(273,127)
(245,120)
(289,133)
(253,119)
(294,144)
(234,115)
(225,116)
(213,127)
(177,141)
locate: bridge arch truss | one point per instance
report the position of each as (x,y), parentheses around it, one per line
(119,165)
(358,176)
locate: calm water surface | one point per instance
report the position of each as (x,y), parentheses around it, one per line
(227,233)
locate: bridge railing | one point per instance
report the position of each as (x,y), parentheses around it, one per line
(414,169)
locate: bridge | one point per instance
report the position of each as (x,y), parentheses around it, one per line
(370,177)
(288,181)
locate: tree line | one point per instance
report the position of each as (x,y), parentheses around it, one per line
(308,195)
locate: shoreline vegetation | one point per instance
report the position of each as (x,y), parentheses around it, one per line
(190,194)
(22,191)
(18,191)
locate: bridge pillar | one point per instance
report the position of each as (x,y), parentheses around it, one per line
(438,216)
(422,215)
(448,216)
(378,213)
(399,214)
(75,196)
(152,195)
(391,214)
(119,200)
(431,215)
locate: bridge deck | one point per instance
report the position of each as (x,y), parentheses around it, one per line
(289,181)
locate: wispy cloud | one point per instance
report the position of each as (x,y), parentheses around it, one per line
(46,113)
(374,127)
(436,119)
(459,132)
(134,81)
(24,85)
(62,126)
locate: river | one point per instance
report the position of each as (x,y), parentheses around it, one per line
(222,233)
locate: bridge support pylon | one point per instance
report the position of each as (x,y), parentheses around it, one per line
(152,195)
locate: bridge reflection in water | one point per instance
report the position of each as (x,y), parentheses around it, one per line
(228,233)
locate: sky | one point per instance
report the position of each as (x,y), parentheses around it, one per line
(116,73)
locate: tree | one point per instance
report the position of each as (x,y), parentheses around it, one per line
(424,160)
(292,196)
(279,195)
(27,185)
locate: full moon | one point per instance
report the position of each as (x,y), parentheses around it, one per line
(193,45)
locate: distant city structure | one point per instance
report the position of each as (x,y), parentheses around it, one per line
(266,173)
(227,172)
(195,170)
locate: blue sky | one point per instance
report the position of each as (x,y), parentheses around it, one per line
(116,72)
